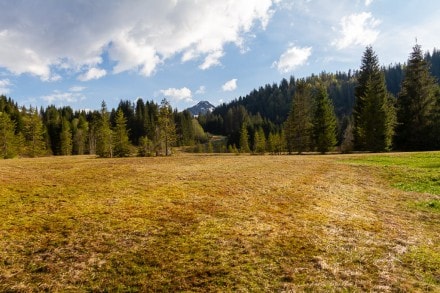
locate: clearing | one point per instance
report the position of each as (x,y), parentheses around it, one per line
(221,223)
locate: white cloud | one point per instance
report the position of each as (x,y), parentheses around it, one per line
(230,86)
(77,88)
(368,2)
(4,86)
(182,94)
(136,35)
(92,73)
(63,97)
(201,90)
(293,58)
(357,29)
(212,59)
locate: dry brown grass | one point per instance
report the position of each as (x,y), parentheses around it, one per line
(211,223)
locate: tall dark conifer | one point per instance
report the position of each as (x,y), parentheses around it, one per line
(373,114)
(121,141)
(104,142)
(8,140)
(244,139)
(324,122)
(66,138)
(34,133)
(416,104)
(299,124)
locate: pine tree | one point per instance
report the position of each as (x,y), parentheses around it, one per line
(372,113)
(66,138)
(259,141)
(167,127)
(299,123)
(416,104)
(34,134)
(80,128)
(53,121)
(8,140)
(104,141)
(121,142)
(324,122)
(244,139)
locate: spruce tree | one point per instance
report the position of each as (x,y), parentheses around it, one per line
(416,104)
(66,138)
(244,139)
(324,122)
(80,128)
(34,134)
(8,141)
(259,141)
(121,142)
(299,123)
(104,141)
(373,115)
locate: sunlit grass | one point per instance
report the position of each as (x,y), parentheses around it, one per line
(418,172)
(215,223)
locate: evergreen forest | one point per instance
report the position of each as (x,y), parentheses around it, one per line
(370,109)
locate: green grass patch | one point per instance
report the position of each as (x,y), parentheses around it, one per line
(429,205)
(425,264)
(419,172)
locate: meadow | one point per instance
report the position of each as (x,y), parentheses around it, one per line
(221,223)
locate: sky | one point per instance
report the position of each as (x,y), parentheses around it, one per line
(79,53)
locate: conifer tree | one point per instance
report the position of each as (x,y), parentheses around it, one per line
(259,141)
(299,123)
(244,139)
(167,127)
(34,134)
(373,115)
(66,138)
(416,104)
(53,121)
(80,128)
(104,142)
(324,121)
(8,141)
(121,142)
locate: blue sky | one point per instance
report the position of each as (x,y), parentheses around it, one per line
(78,53)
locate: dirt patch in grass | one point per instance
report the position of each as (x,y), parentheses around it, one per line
(211,223)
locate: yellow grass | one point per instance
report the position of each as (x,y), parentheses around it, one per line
(213,223)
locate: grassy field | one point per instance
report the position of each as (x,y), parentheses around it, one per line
(221,223)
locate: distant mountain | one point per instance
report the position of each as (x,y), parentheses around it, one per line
(202,107)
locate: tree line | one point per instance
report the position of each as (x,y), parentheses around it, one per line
(371,109)
(142,128)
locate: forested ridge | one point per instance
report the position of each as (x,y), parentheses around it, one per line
(369,109)
(269,106)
